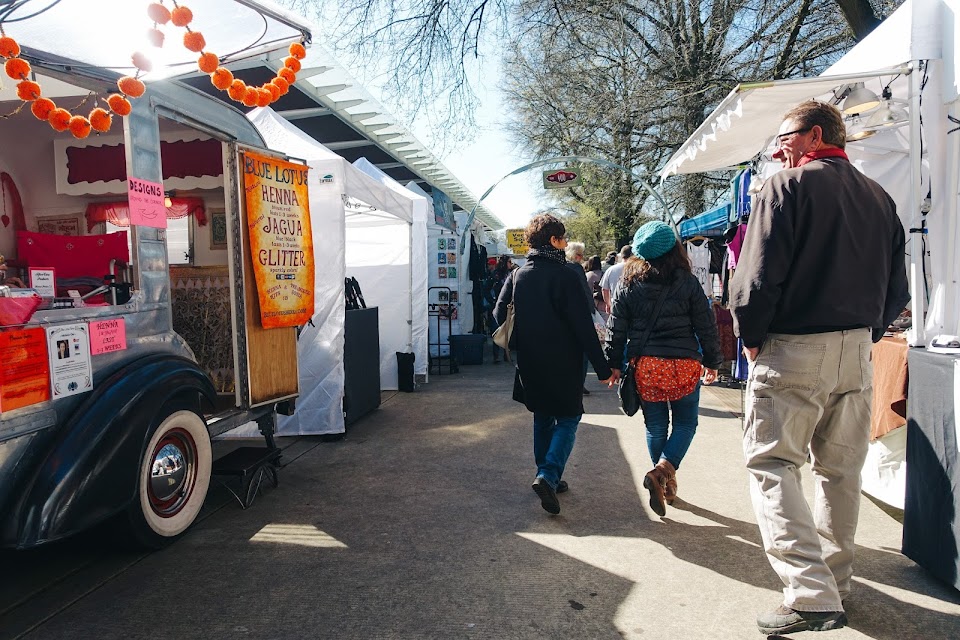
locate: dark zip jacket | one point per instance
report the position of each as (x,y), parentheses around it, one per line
(824,251)
(686,322)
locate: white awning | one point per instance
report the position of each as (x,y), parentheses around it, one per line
(104,34)
(745,122)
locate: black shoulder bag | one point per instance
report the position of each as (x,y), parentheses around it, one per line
(630,400)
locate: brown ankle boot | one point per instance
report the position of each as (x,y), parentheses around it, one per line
(669,473)
(653,482)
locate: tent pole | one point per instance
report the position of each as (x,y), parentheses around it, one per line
(915,336)
(951,279)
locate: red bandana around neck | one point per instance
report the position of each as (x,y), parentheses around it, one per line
(830,152)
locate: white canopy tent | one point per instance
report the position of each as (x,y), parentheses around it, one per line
(422,207)
(462,285)
(913,52)
(374,229)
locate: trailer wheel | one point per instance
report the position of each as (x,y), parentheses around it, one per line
(173,478)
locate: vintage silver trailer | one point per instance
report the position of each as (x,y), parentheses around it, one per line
(195,360)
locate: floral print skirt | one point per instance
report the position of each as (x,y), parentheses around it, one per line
(664,379)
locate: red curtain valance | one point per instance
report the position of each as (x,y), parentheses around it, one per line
(179,159)
(118,213)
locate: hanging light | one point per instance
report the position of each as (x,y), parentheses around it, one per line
(167,202)
(890,114)
(857,131)
(860,99)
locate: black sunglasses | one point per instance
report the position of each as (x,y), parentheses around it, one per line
(779,138)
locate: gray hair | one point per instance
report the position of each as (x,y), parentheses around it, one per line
(626,251)
(575,249)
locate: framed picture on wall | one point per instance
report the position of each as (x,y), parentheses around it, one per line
(218,229)
(61,226)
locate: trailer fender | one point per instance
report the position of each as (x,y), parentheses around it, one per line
(91,470)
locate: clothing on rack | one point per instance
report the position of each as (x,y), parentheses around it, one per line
(700,265)
(735,245)
(728,341)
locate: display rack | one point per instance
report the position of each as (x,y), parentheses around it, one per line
(441,313)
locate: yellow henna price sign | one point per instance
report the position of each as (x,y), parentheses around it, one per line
(281,244)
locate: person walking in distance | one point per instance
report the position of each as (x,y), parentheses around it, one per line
(574,252)
(668,365)
(821,275)
(552,330)
(611,277)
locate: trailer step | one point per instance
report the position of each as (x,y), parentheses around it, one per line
(251,466)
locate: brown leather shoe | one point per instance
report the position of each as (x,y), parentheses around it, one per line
(653,482)
(669,474)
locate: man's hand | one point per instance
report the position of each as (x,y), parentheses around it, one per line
(613,379)
(751,353)
(709,376)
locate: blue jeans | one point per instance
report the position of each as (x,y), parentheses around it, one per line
(553,438)
(656,416)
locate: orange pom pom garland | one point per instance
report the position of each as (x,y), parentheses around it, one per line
(181,16)
(9,47)
(79,127)
(131,86)
(250,97)
(101,120)
(222,78)
(119,105)
(156,37)
(42,107)
(298,51)
(194,41)
(208,62)
(142,62)
(28,90)
(237,90)
(59,119)
(158,13)
(17,68)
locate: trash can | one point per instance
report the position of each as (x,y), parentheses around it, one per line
(405,371)
(468,348)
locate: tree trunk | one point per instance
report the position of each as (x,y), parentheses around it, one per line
(860,16)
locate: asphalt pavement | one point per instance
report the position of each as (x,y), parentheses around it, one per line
(421,523)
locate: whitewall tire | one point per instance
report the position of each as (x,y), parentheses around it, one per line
(173,479)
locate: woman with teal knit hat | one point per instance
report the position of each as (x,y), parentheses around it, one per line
(681,348)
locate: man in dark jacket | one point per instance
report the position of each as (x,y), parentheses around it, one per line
(552,330)
(820,276)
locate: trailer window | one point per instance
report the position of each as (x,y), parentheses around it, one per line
(179,240)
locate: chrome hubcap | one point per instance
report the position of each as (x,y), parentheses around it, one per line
(172,473)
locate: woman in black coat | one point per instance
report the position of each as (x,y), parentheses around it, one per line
(681,346)
(553,328)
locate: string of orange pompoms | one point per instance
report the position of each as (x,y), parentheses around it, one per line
(209,63)
(45,109)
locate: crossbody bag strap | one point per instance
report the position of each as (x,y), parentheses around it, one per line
(656,314)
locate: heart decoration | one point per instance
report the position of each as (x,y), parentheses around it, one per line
(5,219)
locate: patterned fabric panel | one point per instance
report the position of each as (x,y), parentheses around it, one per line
(201,315)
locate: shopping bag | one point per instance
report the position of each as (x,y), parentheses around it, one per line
(501,337)
(630,401)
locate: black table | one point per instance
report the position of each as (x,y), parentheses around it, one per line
(931,526)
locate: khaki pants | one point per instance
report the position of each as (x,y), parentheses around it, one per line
(809,395)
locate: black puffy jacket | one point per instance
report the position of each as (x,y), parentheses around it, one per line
(685,318)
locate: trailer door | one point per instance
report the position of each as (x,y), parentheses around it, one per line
(275,261)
